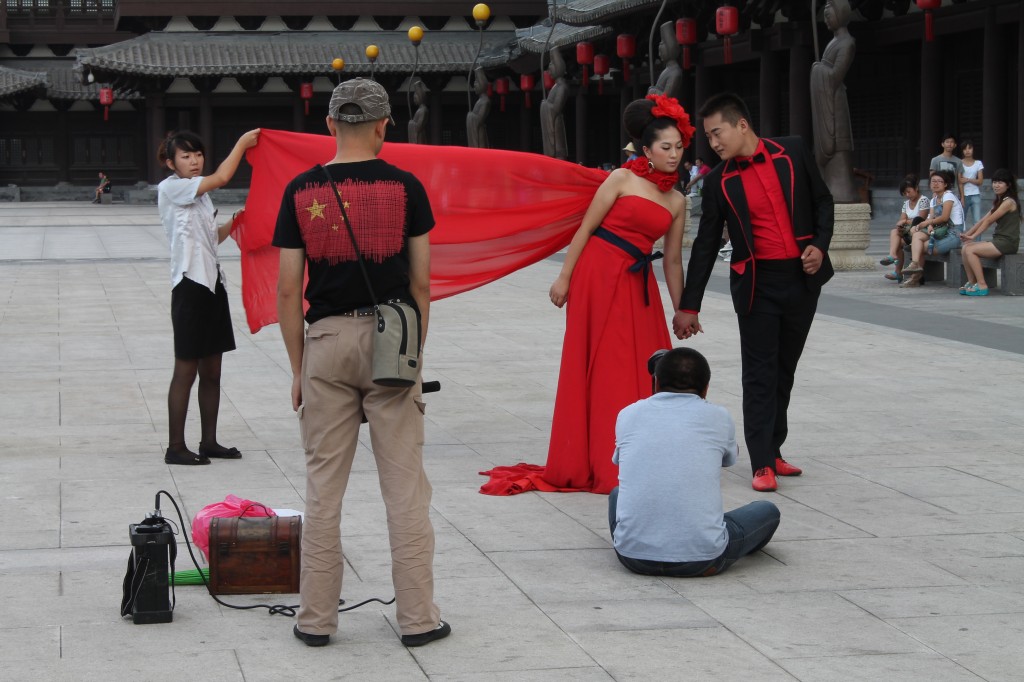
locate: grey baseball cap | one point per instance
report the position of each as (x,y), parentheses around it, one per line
(369,95)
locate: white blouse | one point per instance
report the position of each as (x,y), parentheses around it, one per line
(191,229)
(956,216)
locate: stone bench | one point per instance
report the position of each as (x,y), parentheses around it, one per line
(1008,271)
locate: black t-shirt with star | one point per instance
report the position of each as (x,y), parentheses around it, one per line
(386,205)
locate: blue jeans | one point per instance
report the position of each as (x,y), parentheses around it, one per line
(972,207)
(948,243)
(750,528)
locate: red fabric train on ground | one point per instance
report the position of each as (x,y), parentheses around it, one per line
(497,211)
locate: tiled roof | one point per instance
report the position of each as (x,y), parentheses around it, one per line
(15,81)
(583,12)
(532,39)
(161,54)
(58,78)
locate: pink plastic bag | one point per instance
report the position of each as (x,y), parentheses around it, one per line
(231,506)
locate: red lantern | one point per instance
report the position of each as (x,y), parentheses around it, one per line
(625,48)
(727,24)
(686,35)
(306,93)
(549,81)
(602,65)
(585,57)
(106,99)
(527,82)
(927,6)
(501,86)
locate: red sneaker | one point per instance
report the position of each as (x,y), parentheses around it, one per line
(764,480)
(784,468)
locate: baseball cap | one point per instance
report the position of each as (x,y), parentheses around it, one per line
(369,95)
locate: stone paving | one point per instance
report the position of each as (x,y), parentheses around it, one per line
(899,557)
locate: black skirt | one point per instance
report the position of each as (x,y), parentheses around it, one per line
(201,320)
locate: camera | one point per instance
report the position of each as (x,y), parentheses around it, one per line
(652,362)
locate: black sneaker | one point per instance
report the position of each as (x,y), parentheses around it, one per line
(440,632)
(310,640)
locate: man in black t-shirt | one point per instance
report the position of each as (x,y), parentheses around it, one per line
(332,389)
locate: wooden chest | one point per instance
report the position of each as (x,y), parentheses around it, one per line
(255,554)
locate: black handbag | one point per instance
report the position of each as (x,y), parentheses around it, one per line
(396,345)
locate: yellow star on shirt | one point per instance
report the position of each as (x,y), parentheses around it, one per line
(346,205)
(316,210)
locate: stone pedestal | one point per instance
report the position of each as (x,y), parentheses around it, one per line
(851,237)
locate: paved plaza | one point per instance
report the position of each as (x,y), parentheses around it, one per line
(900,555)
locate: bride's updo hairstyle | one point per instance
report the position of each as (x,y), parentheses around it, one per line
(641,125)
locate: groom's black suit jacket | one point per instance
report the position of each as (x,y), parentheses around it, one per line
(725,203)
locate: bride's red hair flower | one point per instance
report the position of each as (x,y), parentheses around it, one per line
(669,107)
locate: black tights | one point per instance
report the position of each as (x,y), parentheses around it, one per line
(185,372)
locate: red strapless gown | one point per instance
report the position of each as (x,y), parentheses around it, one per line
(609,334)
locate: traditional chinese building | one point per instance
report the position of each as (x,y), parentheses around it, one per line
(221,68)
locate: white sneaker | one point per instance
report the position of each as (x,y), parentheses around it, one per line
(725,253)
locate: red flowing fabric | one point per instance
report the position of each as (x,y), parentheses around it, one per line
(497,211)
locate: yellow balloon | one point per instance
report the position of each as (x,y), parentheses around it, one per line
(372,51)
(415,34)
(338,64)
(481,12)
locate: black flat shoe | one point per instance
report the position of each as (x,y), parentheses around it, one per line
(219,452)
(186,458)
(440,632)
(310,640)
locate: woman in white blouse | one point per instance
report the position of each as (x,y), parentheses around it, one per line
(915,209)
(940,232)
(199,302)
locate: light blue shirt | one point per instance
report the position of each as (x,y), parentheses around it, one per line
(670,449)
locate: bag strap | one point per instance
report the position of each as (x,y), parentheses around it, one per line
(352,236)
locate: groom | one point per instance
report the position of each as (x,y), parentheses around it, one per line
(779,213)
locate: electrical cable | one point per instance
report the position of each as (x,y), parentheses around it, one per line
(273,610)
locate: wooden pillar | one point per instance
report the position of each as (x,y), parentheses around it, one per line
(62,141)
(625,97)
(769,125)
(800,59)
(436,114)
(702,90)
(155,123)
(525,119)
(298,115)
(206,129)
(581,126)
(1019,113)
(993,95)
(930,125)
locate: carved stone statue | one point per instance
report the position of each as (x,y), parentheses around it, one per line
(830,112)
(476,120)
(670,81)
(418,122)
(552,122)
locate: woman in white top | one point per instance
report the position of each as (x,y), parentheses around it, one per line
(915,209)
(940,232)
(971,180)
(199,301)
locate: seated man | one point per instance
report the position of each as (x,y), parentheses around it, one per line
(666,514)
(102,188)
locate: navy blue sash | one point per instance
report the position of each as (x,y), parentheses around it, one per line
(641,264)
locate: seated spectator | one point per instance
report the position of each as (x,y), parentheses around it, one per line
(940,232)
(1006,216)
(103,188)
(915,210)
(666,513)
